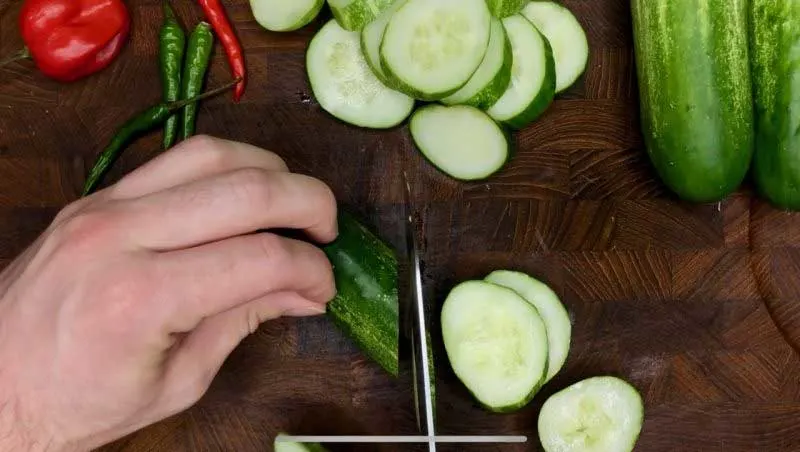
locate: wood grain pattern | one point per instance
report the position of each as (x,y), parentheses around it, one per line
(697,306)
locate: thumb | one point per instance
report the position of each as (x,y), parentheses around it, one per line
(196,362)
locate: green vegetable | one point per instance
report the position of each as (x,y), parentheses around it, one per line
(598,414)
(282,445)
(496,343)
(353,15)
(696,94)
(371,38)
(461,141)
(505,8)
(152,117)
(198,57)
(285,15)
(775,47)
(366,306)
(172,48)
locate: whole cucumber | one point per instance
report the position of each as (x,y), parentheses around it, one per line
(693,68)
(775,53)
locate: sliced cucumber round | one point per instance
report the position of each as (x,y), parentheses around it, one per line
(533,79)
(431,48)
(493,76)
(290,446)
(371,37)
(566,37)
(281,16)
(496,343)
(599,414)
(505,8)
(461,141)
(354,15)
(346,87)
(553,312)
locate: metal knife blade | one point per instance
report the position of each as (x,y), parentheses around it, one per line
(420,337)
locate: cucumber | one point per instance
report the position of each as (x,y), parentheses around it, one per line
(553,312)
(371,37)
(346,87)
(696,95)
(282,16)
(291,446)
(775,47)
(565,35)
(431,48)
(505,8)
(533,79)
(366,306)
(461,141)
(493,76)
(354,15)
(496,343)
(599,414)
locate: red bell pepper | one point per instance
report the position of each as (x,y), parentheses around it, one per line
(71,39)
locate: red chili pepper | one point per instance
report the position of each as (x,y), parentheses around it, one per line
(70,39)
(215,13)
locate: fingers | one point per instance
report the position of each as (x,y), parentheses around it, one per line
(211,279)
(231,204)
(191,160)
(200,356)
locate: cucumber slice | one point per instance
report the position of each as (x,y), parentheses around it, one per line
(371,37)
(565,35)
(493,76)
(496,343)
(431,48)
(533,76)
(345,86)
(505,8)
(290,446)
(354,15)
(555,316)
(598,414)
(280,15)
(461,141)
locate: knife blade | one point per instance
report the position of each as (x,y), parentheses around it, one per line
(420,338)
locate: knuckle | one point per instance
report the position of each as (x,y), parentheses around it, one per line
(253,186)
(201,142)
(273,248)
(85,227)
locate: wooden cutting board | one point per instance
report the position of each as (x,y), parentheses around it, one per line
(696,305)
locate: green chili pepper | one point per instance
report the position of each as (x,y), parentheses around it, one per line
(172,48)
(198,56)
(140,124)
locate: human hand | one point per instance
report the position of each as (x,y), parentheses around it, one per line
(124,309)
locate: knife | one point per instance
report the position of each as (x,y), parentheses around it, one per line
(420,337)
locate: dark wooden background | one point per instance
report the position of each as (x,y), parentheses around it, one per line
(697,306)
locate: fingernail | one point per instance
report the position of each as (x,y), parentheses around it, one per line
(307,310)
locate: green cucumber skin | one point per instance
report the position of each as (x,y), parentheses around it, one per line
(505,8)
(490,94)
(545,97)
(397,84)
(308,18)
(366,306)
(696,96)
(358,13)
(775,54)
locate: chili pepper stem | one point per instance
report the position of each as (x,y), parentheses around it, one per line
(23,54)
(175,106)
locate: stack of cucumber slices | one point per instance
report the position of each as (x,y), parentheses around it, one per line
(481,69)
(508,335)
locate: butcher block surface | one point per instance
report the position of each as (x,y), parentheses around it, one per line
(698,306)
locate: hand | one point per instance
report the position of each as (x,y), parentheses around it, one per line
(124,309)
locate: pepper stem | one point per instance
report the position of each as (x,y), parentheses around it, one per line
(174,106)
(169,14)
(21,55)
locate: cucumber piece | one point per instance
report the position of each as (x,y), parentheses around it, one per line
(493,76)
(565,35)
(693,70)
(291,446)
(431,48)
(599,414)
(533,76)
(461,141)
(371,37)
(496,343)
(346,87)
(354,15)
(553,312)
(282,16)
(505,8)
(775,44)
(366,306)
